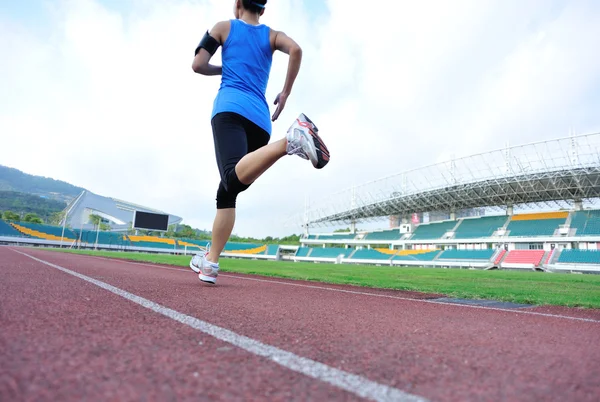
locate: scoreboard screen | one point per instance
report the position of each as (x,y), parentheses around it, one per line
(150,221)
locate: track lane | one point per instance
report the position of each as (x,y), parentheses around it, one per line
(64,339)
(441,352)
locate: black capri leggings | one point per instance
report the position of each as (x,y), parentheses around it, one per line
(235,136)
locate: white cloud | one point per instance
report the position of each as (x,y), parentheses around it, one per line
(108,100)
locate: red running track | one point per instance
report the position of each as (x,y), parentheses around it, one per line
(64,338)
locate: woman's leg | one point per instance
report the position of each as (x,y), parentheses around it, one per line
(241,161)
(221,230)
(254,164)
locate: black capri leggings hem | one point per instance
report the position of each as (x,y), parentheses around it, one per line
(234,137)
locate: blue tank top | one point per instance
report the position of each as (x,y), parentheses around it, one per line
(246,58)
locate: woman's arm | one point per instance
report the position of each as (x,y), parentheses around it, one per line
(207,48)
(287,45)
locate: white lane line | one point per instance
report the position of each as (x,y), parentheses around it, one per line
(353,383)
(417,300)
(356,292)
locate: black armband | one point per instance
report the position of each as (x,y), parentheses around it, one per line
(209,43)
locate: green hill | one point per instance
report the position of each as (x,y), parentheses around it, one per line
(17,181)
(22,204)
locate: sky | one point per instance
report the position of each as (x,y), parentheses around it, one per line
(101,94)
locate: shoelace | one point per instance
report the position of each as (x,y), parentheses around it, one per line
(294,147)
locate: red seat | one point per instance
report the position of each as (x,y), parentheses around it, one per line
(524,257)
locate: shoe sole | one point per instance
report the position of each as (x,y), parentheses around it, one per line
(196,270)
(319,154)
(321,150)
(207,279)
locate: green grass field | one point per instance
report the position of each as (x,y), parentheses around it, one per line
(521,287)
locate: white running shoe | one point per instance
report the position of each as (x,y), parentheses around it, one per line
(303,140)
(206,270)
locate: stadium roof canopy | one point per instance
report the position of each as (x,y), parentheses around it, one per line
(118,213)
(553,173)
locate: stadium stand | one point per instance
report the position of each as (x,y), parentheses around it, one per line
(413,252)
(48,230)
(330,252)
(191,244)
(499,257)
(454,254)
(575,256)
(256,250)
(524,257)
(537,224)
(152,242)
(272,249)
(392,234)
(337,236)
(580,223)
(44,232)
(389,251)
(587,223)
(104,238)
(371,254)
(302,252)
(479,227)
(237,247)
(7,230)
(428,255)
(429,231)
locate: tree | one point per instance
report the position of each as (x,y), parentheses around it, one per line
(186,231)
(29,203)
(11,216)
(292,239)
(95,220)
(32,218)
(171,231)
(104,227)
(56,218)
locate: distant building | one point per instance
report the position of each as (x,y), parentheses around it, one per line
(463,213)
(118,214)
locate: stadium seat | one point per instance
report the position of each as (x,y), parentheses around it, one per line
(231,247)
(302,252)
(44,232)
(540,216)
(479,227)
(104,238)
(466,254)
(7,230)
(272,249)
(587,223)
(52,231)
(574,256)
(392,234)
(256,250)
(336,236)
(428,255)
(371,254)
(499,257)
(540,224)
(429,231)
(192,244)
(152,242)
(524,257)
(330,252)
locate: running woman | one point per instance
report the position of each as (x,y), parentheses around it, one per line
(241,120)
